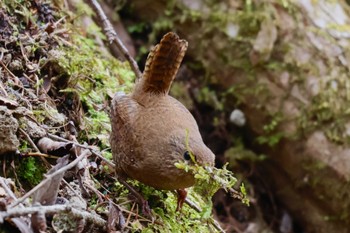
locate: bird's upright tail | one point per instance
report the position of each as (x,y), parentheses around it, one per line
(162,64)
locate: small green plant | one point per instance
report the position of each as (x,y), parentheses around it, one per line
(210,179)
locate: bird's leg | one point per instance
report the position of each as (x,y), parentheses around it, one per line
(146,210)
(181,197)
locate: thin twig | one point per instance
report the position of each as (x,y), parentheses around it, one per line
(17,212)
(113,36)
(38,154)
(8,71)
(29,140)
(217,226)
(94,152)
(50,176)
(34,146)
(193,205)
(129,216)
(99,195)
(7,189)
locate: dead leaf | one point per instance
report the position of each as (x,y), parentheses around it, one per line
(47,194)
(48,146)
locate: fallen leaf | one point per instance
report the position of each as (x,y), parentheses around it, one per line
(47,194)
(48,146)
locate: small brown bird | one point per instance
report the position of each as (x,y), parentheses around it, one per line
(151,131)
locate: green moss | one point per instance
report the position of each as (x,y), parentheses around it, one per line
(210,179)
(30,171)
(272,135)
(328,111)
(94,77)
(24,146)
(107,155)
(186,221)
(164,203)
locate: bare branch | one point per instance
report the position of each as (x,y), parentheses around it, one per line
(29,140)
(17,212)
(113,36)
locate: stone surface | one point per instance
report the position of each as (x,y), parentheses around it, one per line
(33,130)
(8,128)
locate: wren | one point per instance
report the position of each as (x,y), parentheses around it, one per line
(151,131)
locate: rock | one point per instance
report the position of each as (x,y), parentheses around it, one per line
(32,128)
(8,128)
(237,117)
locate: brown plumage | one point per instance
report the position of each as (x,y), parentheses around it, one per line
(149,126)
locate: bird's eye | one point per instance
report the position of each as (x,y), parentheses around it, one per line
(187,155)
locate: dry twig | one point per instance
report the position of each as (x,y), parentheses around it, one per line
(34,146)
(113,36)
(8,71)
(29,140)
(38,154)
(53,209)
(94,152)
